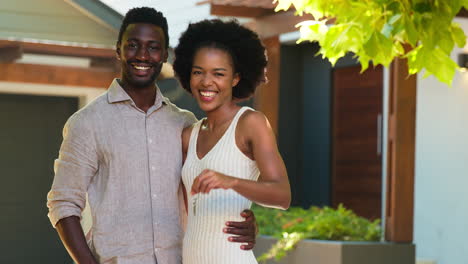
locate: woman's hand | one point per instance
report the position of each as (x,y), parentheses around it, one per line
(209,180)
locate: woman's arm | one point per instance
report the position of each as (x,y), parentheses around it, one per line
(185,141)
(256,139)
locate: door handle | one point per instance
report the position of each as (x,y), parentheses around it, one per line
(379,134)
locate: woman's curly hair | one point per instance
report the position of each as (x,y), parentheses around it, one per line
(244,46)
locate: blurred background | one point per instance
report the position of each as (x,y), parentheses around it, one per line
(331,122)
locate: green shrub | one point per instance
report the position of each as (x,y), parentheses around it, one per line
(325,223)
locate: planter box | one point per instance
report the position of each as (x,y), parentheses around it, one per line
(342,252)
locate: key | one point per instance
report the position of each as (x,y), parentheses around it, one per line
(194,204)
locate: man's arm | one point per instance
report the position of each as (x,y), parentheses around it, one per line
(73,238)
(245,231)
(75,167)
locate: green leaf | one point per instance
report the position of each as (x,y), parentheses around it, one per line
(441,65)
(458,35)
(376,30)
(411,32)
(447,43)
(283,5)
(312,30)
(415,60)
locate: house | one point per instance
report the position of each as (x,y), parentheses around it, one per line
(441,167)
(49,68)
(422,143)
(55,56)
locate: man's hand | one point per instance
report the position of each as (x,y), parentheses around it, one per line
(73,238)
(245,231)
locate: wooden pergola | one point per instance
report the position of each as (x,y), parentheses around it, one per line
(401,113)
(102,61)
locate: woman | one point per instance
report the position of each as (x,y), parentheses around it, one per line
(231,157)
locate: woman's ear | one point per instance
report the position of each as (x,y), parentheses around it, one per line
(236,79)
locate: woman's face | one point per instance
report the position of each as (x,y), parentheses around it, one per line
(212,78)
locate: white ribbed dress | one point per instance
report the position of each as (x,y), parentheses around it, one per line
(204,241)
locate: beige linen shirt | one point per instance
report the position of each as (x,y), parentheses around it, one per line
(129,163)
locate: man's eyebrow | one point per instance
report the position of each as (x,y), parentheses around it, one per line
(151,41)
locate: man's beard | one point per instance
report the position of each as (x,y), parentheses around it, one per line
(136,83)
(143,83)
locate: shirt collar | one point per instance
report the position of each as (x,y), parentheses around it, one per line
(117,94)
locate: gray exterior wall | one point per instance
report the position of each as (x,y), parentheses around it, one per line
(52,20)
(305,121)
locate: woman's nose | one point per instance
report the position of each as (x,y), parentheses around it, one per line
(207,80)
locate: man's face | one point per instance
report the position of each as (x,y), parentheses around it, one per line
(142,52)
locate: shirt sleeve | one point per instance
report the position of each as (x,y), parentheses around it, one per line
(189,119)
(74,168)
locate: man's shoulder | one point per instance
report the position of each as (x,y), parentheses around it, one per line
(180,114)
(89,112)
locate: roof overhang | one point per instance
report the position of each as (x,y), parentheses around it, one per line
(99,12)
(265,21)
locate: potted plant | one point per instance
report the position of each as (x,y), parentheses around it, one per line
(324,235)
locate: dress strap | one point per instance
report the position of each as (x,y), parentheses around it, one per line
(232,127)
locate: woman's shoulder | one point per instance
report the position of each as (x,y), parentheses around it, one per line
(253,118)
(253,124)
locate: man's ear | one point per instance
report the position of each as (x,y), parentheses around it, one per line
(117,51)
(166,55)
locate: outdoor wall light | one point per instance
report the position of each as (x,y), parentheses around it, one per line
(463,61)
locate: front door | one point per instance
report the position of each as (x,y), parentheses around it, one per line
(356,140)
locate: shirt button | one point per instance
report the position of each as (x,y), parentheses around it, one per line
(154,196)
(150,141)
(152,168)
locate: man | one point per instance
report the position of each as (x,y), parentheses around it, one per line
(123,150)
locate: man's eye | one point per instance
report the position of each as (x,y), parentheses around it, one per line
(154,48)
(196,72)
(132,45)
(219,74)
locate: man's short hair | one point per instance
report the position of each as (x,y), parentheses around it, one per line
(146,15)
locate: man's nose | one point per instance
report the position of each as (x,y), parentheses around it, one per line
(142,53)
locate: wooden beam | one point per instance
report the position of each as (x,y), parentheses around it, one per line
(239,11)
(267,95)
(105,63)
(279,23)
(463,13)
(10,53)
(401,154)
(46,74)
(61,50)
(247,3)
